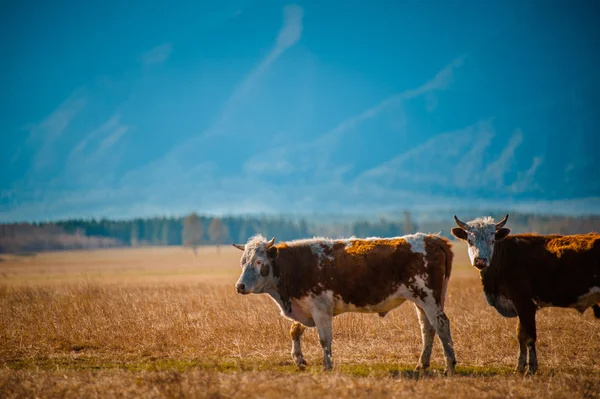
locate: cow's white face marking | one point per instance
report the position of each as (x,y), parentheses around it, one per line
(257,270)
(480,240)
(480,237)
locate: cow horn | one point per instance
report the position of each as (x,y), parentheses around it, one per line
(270,243)
(501,224)
(460,223)
(240,246)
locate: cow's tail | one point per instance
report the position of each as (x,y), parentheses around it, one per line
(596,308)
(446,247)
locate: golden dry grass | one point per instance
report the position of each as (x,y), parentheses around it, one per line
(159,322)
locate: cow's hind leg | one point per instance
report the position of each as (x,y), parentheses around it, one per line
(324,323)
(522,357)
(296,333)
(427,335)
(441,325)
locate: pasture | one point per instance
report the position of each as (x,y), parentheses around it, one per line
(159,322)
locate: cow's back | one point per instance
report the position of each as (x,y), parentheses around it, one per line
(366,272)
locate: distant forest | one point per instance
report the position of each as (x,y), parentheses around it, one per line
(195,230)
(192,231)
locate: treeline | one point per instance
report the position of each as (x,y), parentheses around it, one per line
(25,238)
(195,230)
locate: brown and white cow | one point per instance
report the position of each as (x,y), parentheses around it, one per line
(313,280)
(523,273)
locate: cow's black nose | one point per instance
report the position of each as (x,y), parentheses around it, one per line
(240,287)
(480,263)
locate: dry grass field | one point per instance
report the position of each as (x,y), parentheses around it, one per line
(159,322)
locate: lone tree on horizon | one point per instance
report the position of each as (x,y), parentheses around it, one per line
(218,233)
(191,235)
(408,225)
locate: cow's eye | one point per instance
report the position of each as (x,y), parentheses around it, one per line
(259,262)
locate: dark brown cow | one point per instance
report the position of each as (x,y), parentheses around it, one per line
(523,273)
(316,279)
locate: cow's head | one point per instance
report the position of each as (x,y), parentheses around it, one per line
(480,235)
(257,265)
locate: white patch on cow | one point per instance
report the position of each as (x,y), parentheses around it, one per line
(348,242)
(311,241)
(444,292)
(302,310)
(417,242)
(419,282)
(324,300)
(318,250)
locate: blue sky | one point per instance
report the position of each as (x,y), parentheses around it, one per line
(125,109)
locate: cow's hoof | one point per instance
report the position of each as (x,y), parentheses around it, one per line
(532,369)
(450,372)
(420,370)
(301,364)
(520,368)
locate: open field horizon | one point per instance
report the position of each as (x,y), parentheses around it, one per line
(161,322)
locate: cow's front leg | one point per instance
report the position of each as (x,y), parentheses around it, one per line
(526,332)
(324,323)
(522,359)
(296,333)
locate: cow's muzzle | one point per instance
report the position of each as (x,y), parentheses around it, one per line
(241,288)
(480,263)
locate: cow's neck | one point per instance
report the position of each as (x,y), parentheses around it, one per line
(489,279)
(492,275)
(278,289)
(284,304)
(494,293)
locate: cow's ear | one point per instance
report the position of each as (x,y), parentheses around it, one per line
(272,252)
(459,233)
(502,233)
